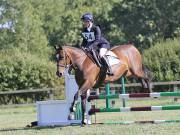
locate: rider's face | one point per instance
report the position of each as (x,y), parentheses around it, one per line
(86,24)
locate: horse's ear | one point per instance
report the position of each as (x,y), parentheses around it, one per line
(58,47)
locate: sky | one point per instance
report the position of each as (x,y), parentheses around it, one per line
(6,25)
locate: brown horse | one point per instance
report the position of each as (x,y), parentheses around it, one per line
(88,75)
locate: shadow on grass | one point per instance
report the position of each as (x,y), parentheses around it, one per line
(36,128)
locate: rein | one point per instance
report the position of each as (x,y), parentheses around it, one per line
(92,55)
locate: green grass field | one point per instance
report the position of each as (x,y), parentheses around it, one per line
(13,121)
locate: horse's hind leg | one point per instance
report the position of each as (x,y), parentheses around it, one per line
(148,77)
(146,87)
(145,81)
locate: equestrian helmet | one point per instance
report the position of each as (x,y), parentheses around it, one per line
(87,17)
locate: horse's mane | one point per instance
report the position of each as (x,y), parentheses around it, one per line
(74,48)
(77,50)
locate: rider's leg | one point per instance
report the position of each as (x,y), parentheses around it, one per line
(105,59)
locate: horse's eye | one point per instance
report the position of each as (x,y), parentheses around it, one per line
(57,56)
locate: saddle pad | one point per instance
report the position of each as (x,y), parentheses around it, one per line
(112,57)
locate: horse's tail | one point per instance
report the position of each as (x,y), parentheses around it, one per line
(147,72)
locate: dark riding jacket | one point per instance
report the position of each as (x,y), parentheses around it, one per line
(93,38)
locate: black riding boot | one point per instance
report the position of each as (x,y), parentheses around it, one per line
(106,62)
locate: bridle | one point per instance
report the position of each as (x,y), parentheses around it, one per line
(60,58)
(65,57)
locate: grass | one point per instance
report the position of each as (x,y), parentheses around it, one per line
(13,121)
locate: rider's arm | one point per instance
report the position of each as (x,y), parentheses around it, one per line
(97,36)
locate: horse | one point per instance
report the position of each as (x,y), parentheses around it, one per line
(89,75)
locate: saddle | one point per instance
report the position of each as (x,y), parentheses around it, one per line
(94,56)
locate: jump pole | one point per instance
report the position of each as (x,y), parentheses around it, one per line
(135,95)
(78,112)
(130,109)
(141,122)
(123,91)
(108,93)
(107,88)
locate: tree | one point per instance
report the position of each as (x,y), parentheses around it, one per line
(145,22)
(7,18)
(28,33)
(163,59)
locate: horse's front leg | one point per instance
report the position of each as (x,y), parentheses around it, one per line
(83,106)
(83,93)
(73,107)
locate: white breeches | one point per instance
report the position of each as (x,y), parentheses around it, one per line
(102,52)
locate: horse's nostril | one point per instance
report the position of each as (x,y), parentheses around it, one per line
(59,74)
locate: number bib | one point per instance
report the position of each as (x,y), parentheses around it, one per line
(89,36)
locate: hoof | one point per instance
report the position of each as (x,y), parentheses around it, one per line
(87,122)
(83,124)
(74,109)
(71,116)
(110,74)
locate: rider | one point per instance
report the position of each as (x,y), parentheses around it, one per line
(93,39)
